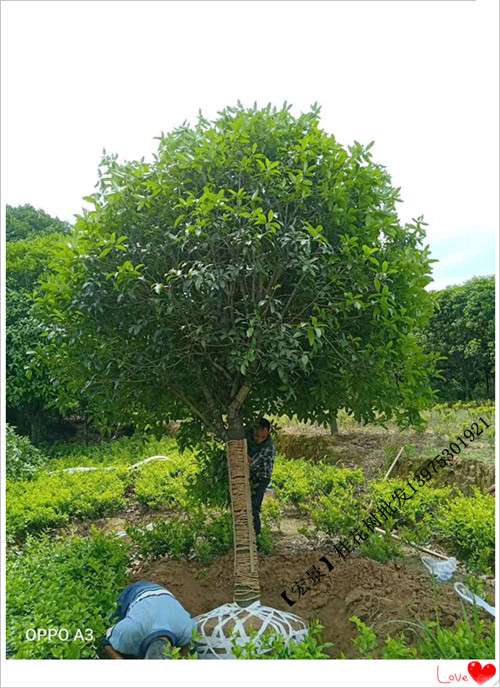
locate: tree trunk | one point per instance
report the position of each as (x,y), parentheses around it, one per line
(35,429)
(467,396)
(334,428)
(246,574)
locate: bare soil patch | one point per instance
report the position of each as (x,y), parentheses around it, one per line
(385,596)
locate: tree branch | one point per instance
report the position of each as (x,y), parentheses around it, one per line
(213,427)
(217,417)
(237,402)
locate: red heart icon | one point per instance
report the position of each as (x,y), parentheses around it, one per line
(479,673)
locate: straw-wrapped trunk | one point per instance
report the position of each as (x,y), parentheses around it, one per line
(246,574)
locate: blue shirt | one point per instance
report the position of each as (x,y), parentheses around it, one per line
(148,611)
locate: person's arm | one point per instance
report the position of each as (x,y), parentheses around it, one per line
(111,653)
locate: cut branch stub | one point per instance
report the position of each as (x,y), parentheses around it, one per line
(246,574)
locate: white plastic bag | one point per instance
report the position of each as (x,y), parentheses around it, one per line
(442,569)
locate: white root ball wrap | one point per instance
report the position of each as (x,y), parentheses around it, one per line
(230,623)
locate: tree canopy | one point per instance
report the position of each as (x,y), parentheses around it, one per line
(254,261)
(29,392)
(32,237)
(462,332)
(24,221)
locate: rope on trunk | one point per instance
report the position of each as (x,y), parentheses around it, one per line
(246,576)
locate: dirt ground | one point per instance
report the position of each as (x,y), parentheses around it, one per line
(383,595)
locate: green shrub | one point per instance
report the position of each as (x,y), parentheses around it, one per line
(330,495)
(210,485)
(448,420)
(291,481)
(468,638)
(272,512)
(22,458)
(338,512)
(365,640)
(216,536)
(416,517)
(272,645)
(51,500)
(165,484)
(122,451)
(397,648)
(265,541)
(326,478)
(175,537)
(203,533)
(63,584)
(471,636)
(381,548)
(466,525)
(218,532)
(299,482)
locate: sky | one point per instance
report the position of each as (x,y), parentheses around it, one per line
(418,78)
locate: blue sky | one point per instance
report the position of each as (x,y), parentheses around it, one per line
(418,78)
(471,255)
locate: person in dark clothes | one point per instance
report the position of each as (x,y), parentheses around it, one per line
(261,453)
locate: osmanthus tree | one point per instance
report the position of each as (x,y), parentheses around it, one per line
(254,266)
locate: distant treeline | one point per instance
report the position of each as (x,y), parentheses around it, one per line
(461,331)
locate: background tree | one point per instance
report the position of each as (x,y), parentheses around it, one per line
(255,266)
(29,393)
(24,221)
(31,388)
(462,332)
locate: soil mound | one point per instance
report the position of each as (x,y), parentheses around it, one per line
(386,596)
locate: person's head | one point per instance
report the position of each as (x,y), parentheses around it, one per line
(262,431)
(157,648)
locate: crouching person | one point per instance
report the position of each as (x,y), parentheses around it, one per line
(149,620)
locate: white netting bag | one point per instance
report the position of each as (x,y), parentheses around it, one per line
(231,623)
